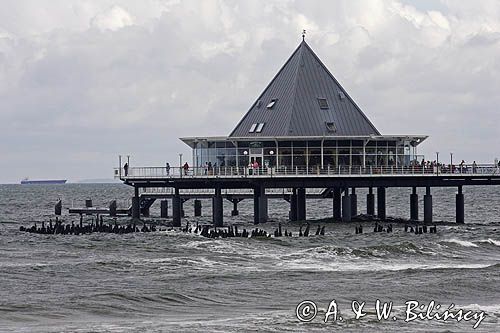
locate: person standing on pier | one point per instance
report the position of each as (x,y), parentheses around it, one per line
(125,168)
(167,167)
(186,168)
(474,167)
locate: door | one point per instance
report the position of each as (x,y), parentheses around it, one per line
(256,155)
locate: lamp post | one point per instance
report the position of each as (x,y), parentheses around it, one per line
(180,165)
(437,163)
(120,165)
(451,162)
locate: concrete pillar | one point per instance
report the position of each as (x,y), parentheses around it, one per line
(88,202)
(427,205)
(164,209)
(293,205)
(370,202)
(301,204)
(262,205)
(235,211)
(58,208)
(346,206)
(354,203)
(337,204)
(414,205)
(460,206)
(197,207)
(136,209)
(176,209)
(256,201)
(183,213)
(381,203)
(112,208)
(217,210)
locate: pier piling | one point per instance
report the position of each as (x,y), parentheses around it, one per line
(354,203)
(256,201)
(217,208)
(346,206)
(112,208)
(301,204)
(58,208)
(414,205)
(427,205)
(381,212)
(197,207)
(370,202)
(460,206)
(164,209)
(176,209)
(293,205)
(262,205)
(235,211)
(135,204)
(337,204)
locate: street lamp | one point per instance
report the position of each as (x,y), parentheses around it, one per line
(437,163)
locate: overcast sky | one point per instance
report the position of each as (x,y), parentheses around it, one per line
(84,81)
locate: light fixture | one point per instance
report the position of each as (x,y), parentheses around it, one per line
(245,152)
(271,152)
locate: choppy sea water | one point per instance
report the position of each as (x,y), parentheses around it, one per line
(173,281)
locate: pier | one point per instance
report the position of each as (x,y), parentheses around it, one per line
(303,137)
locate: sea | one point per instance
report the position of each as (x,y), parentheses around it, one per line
(174,281)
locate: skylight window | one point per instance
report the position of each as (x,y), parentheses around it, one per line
(323,103)
(341,94)
(259,103)
(252,128)
(260,126)
(272,103)
(330,126)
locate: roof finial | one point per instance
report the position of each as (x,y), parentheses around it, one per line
(303,34)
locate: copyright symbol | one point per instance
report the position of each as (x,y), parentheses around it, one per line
(306,311)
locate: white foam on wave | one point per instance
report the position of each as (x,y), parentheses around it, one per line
(490,241)
(460,242)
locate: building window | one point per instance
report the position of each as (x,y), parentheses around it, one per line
(330,126)
(252,128)
(272,103)
(341,94)
(323,103)
(260,126)
(259,103)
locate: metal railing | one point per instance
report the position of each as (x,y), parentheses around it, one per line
(208,191)
(239,172)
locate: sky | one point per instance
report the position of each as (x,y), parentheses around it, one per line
(82,82)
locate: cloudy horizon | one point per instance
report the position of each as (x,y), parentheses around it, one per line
(84,81)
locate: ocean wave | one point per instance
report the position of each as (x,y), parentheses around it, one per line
(490,241)
(460,242)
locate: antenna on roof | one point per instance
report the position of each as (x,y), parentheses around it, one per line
(303,34)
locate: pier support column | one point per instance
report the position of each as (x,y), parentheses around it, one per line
(370,202)
(414,205)
(301,204)
(337,204)
(354,203)
(293,205)
(381,214)
(460,206)
(112,208)
(256,202)
(145,211)
(427,205)
(235,211)
(176,209)
(346,206)
(136,204)
(164,209)
(217,210)
(197,207)
(58,208)
(262,205)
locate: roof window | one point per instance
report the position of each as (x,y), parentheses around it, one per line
(260,126)
(252,128)
(272,103)
(341,94)
(330,126)
(323,103)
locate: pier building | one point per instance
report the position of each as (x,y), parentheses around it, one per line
(304,136)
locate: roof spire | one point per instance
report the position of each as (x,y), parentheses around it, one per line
(303,34)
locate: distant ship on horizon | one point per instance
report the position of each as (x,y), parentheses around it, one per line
(27,181)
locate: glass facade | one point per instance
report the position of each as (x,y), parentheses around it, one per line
(311,154)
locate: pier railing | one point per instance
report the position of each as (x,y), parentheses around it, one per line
(283,171)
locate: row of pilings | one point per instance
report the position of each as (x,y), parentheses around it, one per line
(345,205)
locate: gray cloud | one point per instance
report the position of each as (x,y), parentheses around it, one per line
(82,81)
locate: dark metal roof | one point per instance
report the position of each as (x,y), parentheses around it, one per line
(297,87)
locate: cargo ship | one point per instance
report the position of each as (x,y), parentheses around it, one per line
(27,181)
